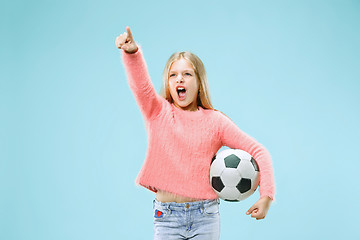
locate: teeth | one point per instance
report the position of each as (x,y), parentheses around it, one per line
(180,89)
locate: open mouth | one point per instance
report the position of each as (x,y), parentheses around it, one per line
(181,91)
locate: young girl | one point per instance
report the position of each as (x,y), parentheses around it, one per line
(184,133)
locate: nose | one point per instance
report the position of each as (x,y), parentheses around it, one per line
(179,78)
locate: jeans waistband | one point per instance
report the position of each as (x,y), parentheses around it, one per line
(187,205)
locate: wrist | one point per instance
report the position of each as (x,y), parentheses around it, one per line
(133,51)
(268,198)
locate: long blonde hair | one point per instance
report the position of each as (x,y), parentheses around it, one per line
(203,98)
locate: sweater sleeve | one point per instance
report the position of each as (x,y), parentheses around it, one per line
(232,136)
(150,103)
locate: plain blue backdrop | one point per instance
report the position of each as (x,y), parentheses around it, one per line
(72,138)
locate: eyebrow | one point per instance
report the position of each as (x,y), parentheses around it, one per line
(186,70)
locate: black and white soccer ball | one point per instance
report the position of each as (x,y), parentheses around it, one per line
(234,174)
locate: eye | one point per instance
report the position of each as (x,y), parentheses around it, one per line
(188,74)
(172,75)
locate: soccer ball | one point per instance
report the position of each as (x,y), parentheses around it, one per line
(234,175)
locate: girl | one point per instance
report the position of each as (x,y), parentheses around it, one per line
(184,133)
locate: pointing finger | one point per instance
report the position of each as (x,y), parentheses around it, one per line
(129,34)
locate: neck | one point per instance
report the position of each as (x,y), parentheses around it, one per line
(191,107)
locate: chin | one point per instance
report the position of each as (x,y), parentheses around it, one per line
(183,105)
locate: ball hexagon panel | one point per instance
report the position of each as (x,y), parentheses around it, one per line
(230,177)
(229,193)
(246,169)
(224,153)
(242,154)
(217,167)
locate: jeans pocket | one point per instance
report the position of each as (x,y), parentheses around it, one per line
(211,210)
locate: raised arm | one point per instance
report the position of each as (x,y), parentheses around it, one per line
(150,103)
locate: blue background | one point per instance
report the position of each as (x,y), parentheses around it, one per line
(73,139)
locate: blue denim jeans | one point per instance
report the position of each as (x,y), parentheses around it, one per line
(193,220)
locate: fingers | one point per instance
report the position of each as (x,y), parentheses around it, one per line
(251,210)
(260,208)
(121,40)
(256,213)
(124,39)
(126,42)
(129,34)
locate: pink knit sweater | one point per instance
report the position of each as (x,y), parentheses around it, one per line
(182,143)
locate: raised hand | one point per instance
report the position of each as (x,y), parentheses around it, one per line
(126,42)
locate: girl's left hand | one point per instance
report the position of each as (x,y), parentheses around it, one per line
(260,208)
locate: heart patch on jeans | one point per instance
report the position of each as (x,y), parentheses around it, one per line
(158,214)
